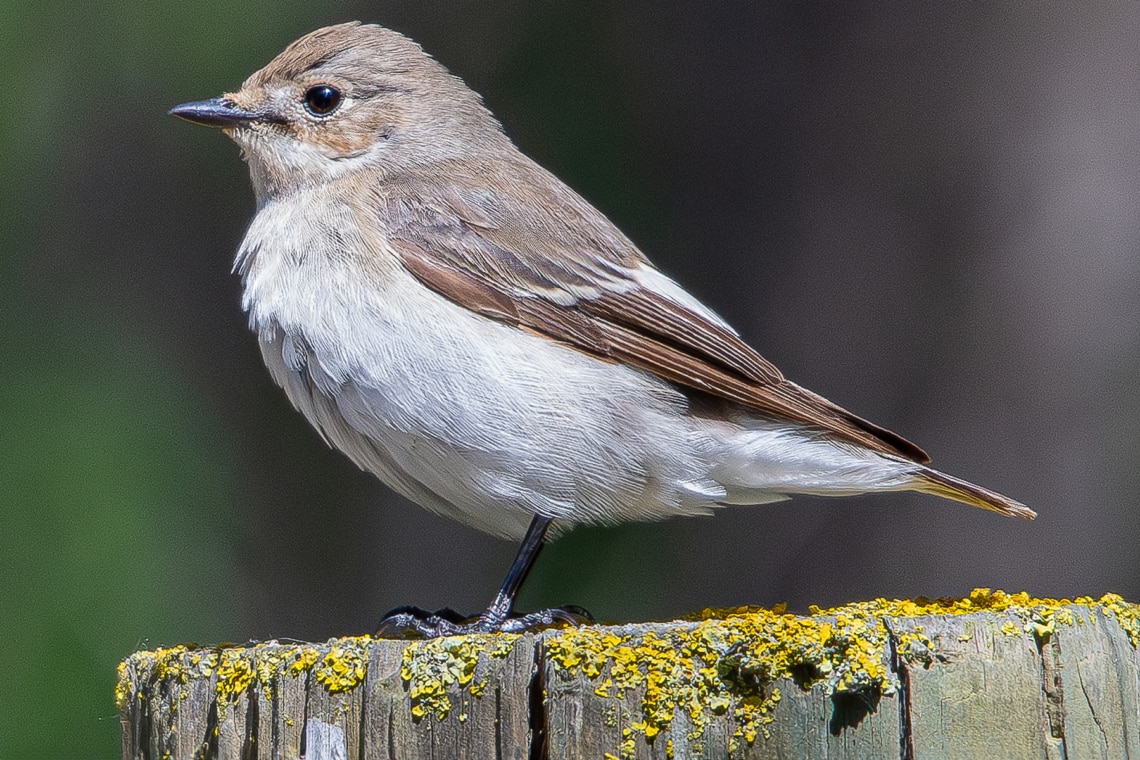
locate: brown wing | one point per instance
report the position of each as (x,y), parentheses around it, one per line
(538,256)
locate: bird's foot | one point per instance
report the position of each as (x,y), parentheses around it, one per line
(414,623)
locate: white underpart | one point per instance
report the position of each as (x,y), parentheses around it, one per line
(490,424)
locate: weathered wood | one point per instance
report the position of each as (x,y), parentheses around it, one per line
(990,676)
(1101,681)
(985,697)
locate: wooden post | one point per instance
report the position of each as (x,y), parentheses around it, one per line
(993,675)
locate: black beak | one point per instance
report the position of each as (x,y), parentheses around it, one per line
(216,112)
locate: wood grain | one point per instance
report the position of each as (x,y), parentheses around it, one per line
(994,683)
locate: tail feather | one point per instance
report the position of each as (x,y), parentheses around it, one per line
(948,487)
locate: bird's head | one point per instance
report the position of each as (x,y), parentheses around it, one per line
(343,98)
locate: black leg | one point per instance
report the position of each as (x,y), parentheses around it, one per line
(532,544)
(413,622)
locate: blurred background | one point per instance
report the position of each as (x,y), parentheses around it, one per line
(927,214)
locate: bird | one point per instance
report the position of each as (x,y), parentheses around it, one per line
(464,326)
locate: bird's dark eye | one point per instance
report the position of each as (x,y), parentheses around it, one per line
(322,99)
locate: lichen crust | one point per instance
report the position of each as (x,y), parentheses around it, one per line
(437,672)
(339,665)
(725,664)
(730,662)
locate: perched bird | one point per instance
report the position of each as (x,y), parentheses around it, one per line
(466,327)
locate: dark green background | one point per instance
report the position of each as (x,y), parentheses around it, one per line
(927,214)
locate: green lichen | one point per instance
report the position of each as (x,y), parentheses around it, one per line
(433,669)
(728,662)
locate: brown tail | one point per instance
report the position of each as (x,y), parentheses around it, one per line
(948,487)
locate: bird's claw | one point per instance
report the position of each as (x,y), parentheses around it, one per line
(410,622)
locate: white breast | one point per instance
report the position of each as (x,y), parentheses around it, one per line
(467,416)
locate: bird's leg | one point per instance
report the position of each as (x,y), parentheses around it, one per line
(525,558)
(500,616)
(413,622)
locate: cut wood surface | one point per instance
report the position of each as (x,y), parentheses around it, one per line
(993,675)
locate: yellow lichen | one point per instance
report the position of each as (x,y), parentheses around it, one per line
(728,661)
(436,668)
(726,665)
(178,665)
(235,669)
(304,661)
(720,663)
(345,665)
(1125,613)
(124,690)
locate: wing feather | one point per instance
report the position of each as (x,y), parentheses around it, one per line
(536,255)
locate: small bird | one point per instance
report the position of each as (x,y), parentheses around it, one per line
(467,328)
